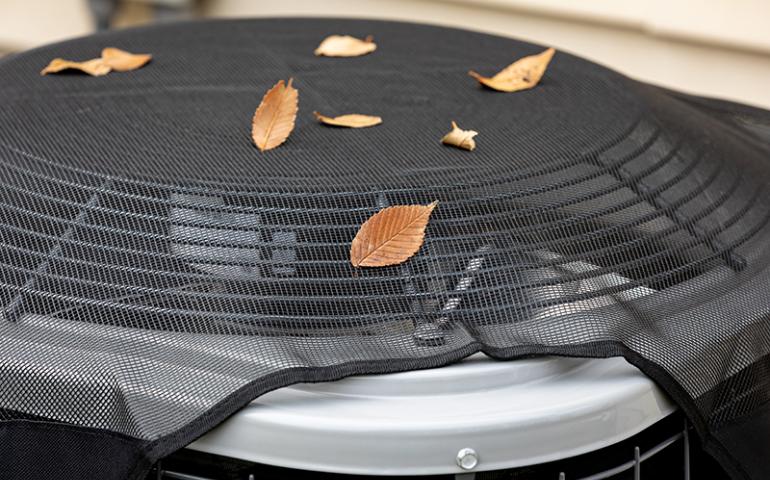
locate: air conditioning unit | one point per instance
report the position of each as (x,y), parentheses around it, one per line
(168,290)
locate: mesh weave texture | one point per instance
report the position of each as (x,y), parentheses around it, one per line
(157,272)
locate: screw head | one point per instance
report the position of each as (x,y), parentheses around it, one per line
(467,459)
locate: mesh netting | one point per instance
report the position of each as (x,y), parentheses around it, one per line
(157,272)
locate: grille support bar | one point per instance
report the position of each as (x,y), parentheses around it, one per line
(16,306)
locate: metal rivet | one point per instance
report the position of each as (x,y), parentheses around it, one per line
(467,459)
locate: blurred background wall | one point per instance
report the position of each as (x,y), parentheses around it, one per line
(709,47)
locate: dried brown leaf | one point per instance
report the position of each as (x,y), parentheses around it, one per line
(351,120)
(274,119)
(522,74)
(111,59)
(122,61)
(345,46)
(460,138)
(95,67)
(390,236)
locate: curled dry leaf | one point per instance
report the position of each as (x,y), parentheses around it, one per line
(95,67)
(345,46)
(111,59)
(390,236)
(274,119)
(122,61)
(352,120)
(522,74)
(460,138)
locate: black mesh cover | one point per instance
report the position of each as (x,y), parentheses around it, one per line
(157,272)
